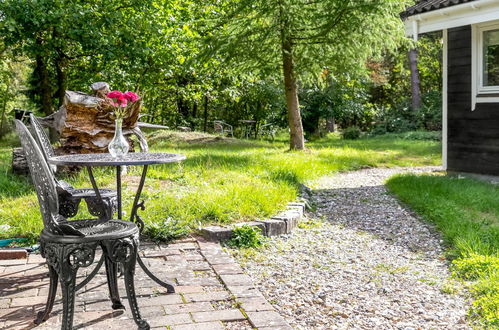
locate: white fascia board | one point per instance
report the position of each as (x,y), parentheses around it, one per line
(460,15)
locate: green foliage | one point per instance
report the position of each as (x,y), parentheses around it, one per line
(475,266)
(246,237)
(351,133)
(222,181)
(413,135)
(167,230)
(467,213)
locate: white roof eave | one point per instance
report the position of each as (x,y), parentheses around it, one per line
(460,15)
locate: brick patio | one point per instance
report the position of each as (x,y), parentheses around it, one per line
(212,292)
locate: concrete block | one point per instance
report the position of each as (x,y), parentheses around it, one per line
(258,224)
(216,233)
(300,207)
(274,227)
(290,217)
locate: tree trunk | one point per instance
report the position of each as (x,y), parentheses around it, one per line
(330,124)
(415,84)
(43,78)
(205,124)
(60,64)
(296,140)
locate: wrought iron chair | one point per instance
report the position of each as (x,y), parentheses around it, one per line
(223,128)
(69,245)
(69,197)
(268,130)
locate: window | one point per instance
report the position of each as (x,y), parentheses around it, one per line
(490,55)
(485,63)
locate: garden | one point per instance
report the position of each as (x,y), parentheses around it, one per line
(270,102)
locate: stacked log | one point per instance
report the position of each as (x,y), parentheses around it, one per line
(86,122)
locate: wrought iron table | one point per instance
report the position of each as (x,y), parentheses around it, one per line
(136,158)
(249,128)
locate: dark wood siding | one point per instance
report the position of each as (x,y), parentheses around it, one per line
(473,136)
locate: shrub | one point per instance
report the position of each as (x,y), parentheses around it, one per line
(351,133)
(167,230)
(246,237)
(475,266)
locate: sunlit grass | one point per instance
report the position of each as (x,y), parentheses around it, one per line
(467,213)
(221,181)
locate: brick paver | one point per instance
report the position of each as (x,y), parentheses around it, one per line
(211,291)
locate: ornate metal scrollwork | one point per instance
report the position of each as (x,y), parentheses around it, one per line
(68,207)
(136,218)
(103,209)
(51,252)
(80,255)
(122,250)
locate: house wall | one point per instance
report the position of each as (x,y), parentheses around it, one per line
(473,136)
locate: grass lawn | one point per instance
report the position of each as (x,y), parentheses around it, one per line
(466,212)
(222,180)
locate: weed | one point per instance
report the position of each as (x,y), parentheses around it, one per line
(310,223)
(167,230)
(246,237)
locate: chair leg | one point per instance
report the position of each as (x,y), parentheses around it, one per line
(112,283)
(129,271)
(68,280)
(44,315)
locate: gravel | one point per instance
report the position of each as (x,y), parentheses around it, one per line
(368,264)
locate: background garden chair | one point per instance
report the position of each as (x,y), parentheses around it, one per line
(223,128)
(69,245)
(69,197)
(267,130)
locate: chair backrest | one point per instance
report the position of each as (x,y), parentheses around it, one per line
(218,126)
(41,137)
(42,178)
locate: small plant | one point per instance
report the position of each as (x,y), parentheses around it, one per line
(310,223)
(246,237)
(475,266)
(167,230)
(351,133)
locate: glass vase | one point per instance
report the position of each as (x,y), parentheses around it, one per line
(118,147)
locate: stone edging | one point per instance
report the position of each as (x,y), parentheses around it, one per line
(282,223)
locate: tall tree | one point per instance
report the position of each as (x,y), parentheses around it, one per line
(302,37)
(61,37)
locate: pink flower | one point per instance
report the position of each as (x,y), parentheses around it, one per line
(122,101)
(131,96)
(114,94)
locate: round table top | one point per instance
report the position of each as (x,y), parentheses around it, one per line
(105,159)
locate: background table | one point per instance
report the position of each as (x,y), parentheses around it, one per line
(136,158)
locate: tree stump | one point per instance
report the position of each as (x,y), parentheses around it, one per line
(19,163)
(86,123)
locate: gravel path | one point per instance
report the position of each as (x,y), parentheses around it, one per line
(371,264)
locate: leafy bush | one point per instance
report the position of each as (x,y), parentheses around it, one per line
(167,230)
(351,133)
(413,135)
(486,303)
(246,237)
(475,266)
(403,118)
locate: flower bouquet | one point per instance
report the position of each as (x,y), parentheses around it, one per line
(121,102)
